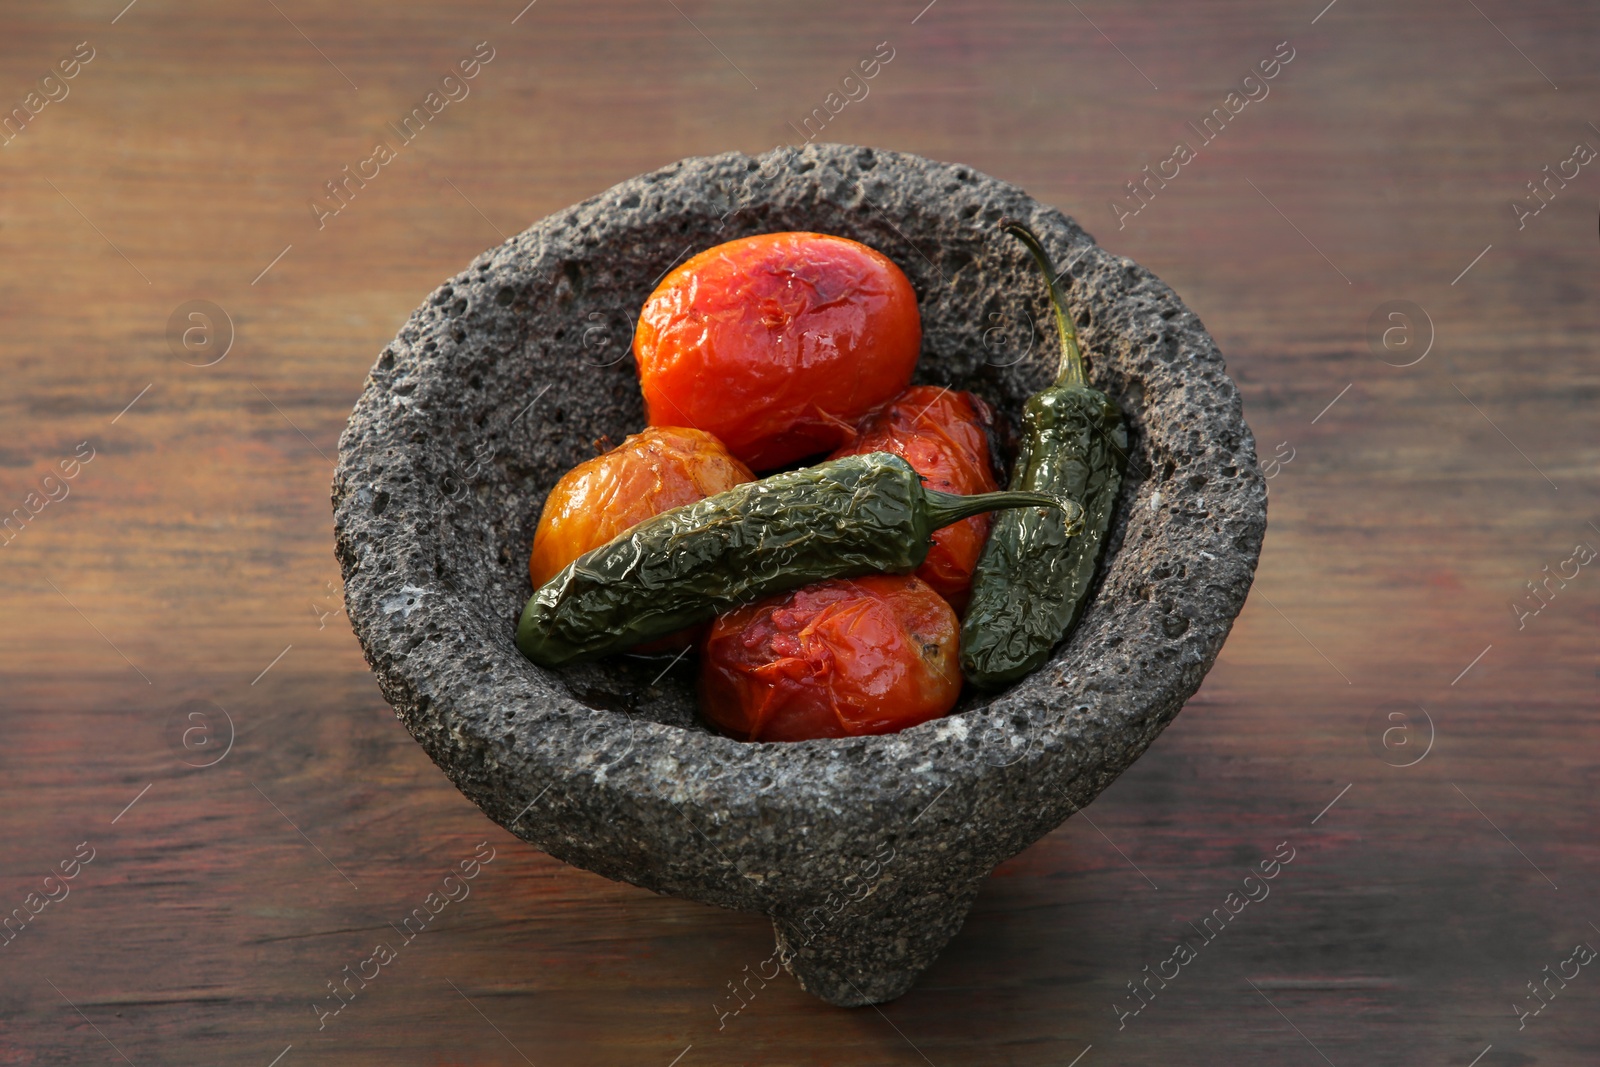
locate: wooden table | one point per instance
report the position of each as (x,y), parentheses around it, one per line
(186,581)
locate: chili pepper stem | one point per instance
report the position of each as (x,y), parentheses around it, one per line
(946,508)
(1071,371)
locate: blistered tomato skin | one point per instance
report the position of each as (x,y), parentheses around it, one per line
(777,344)
(661,468)
(943,434)
(841,658)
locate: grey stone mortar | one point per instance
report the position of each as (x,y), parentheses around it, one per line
(866,852)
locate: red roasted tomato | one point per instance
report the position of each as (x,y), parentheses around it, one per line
(661,468)
(777,344)
(943,435)
(839,658)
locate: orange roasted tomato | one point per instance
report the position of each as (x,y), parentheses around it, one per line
(601,498)
(943,434)
(838,658)
(777,344)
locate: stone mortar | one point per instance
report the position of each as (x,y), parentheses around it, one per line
(866,853)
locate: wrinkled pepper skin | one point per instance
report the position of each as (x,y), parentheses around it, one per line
(841,658)
(1032,581)
(842,518)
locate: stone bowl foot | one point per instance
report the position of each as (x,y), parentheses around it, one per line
(872,952)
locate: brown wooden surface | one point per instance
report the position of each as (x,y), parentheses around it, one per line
(196,546)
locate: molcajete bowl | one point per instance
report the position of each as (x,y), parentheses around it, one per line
(867,852)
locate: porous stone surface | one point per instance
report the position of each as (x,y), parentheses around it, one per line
(865,852)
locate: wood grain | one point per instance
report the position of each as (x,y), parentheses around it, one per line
(193,552)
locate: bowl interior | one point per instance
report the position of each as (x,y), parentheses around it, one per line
(987,328)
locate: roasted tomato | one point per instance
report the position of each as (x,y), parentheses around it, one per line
(839,658)
(777,344)
(944,436)
(662,468)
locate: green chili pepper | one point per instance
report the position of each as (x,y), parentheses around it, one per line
(1032,580)
(851,516)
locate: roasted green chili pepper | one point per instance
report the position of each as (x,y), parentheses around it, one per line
(847,517)
(1032,580)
